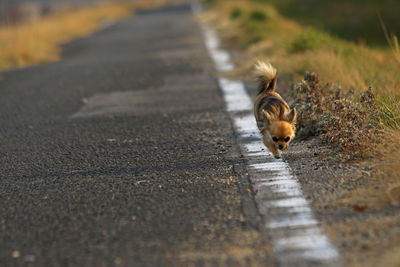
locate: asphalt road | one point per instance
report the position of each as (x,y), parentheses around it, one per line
(122,154)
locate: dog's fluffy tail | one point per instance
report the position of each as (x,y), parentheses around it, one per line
(266,75)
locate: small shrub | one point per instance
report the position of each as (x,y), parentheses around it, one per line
(258,15)
(348,124)
(236,13)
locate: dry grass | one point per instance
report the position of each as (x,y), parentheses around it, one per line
(349,124)
(40,41)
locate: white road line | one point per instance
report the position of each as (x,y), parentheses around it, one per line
(297,237)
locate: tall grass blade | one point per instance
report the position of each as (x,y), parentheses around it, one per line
(391,39)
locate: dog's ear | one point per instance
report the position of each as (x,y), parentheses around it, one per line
(267,116)
(291,117)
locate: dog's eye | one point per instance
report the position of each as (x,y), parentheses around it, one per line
(275,139)
(287,139)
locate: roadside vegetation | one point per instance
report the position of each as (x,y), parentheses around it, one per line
(350,97)
(39,41)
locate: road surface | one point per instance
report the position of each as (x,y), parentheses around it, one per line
(123,154)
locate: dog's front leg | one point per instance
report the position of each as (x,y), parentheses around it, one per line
(271,147)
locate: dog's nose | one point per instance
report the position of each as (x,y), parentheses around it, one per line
(280,146)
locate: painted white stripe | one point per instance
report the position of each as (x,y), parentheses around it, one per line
(299,209)
(303,220)
(234,92)
(271,166)
(297,237)
(289,202)
(255,147)
(275,177)
(245,126)
(302,242)
(278,163)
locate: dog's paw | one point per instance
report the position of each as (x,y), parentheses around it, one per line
(277,156)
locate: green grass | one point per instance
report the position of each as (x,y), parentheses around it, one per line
(258,15)
(236,12)
(390,111)
(309,39)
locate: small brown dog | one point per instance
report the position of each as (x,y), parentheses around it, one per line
(275,119)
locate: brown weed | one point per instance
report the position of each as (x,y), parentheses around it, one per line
(348,122)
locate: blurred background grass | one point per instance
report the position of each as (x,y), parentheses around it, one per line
(354,20)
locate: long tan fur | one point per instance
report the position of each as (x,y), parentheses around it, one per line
(266,75)
(275,119)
